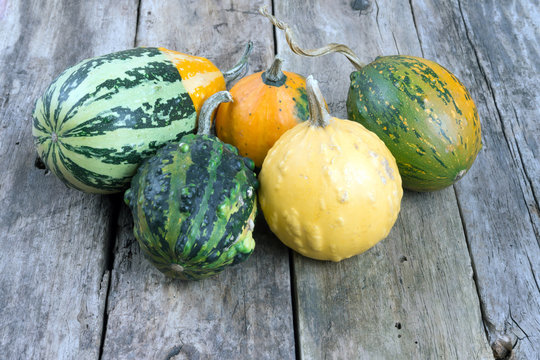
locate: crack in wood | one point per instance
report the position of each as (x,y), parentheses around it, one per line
(534,274)
(517,324)
(377,19)
(416,27)
(395,43)
(137,23)
(110,244)
(274,30)
(294,302)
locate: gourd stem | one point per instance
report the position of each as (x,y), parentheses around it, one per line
(207,111)
(241,66)
(319,116)
(328,49)
(274,73)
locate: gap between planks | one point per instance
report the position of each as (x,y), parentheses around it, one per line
(113,226)
(473,265)
(109,262)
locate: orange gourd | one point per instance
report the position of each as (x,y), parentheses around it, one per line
(265,105)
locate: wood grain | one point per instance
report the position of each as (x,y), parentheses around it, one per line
(458,273)
(53,240)
(493,47)
(414,292)
(244,312)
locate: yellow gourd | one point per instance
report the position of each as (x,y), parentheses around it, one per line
(330,189)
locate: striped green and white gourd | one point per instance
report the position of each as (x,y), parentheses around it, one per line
(99,119)
(194,204)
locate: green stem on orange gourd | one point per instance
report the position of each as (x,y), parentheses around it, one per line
(274,75)
(328,49)
(240,68)
(318,113)
(208,109)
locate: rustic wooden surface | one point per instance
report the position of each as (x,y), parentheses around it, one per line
(414,291)
(54,242)
(242,313)
(456,279)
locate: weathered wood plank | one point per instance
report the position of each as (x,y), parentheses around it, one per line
(494,47)
(244,312)
(413,295)
(53,240)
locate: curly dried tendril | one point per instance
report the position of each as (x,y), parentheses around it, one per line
(328,49)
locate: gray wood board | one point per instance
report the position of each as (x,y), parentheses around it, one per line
(244,312)
(53,240)
(413,293)
(411,296)
(493,47)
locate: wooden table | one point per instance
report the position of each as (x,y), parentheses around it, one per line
(458,277)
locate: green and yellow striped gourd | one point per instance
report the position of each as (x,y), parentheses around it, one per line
(424,115)
(194,203)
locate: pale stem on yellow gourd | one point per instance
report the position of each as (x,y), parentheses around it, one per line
(319,116)
(274,73)
(328,49)
(208,109)
(241,67)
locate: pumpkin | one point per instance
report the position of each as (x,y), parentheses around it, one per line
(99,119)
(329,188)
(421,111)
(194,203)
(266,104)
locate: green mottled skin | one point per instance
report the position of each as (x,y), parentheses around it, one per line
(426,118)
(100,118)
(301,106)
(194,206)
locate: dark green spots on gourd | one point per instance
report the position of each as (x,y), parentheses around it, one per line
(440,161)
